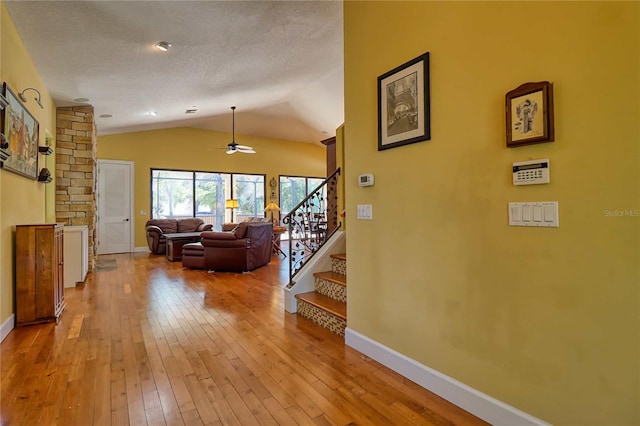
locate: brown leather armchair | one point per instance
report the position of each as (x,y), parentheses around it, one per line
(157,228)
(245,248)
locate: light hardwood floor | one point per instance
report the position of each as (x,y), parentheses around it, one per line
(144,342)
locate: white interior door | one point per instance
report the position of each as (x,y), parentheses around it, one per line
(115,215)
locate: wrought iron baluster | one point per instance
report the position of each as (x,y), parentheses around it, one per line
(311,223)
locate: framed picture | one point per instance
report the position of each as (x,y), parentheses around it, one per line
(22,131)
(529,110)
(403,104)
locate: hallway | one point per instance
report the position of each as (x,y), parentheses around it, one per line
(143,341)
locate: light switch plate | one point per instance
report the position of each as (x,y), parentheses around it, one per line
(537,214)
(365,211)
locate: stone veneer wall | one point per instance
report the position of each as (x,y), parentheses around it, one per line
(76,160)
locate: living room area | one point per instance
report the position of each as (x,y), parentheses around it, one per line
(514,324)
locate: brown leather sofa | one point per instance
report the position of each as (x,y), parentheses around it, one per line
(246,247)
(156,228)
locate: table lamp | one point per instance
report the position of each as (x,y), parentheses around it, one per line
(272,207)
(231,204)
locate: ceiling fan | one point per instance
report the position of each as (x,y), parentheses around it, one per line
(233,147)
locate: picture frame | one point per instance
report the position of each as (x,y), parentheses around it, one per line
(403,104)
(529,112)
(22,132)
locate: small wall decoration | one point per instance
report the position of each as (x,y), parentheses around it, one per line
(22,132)
(529,110)
(403,104)
(273,184)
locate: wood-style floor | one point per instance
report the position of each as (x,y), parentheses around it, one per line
(144,342)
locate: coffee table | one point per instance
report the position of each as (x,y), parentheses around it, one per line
(176,241)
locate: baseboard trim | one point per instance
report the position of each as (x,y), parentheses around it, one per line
(7,326)
(477,403)
(141,250)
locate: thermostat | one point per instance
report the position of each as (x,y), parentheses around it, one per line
(531,172)
(365,180)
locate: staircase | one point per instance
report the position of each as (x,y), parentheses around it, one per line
(327,305)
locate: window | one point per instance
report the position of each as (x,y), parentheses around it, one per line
(179,194)
(249,191)
(294,189)
(210,190)
(172,194)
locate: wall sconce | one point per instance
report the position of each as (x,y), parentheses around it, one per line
(45,176)
(231,204)
(38,99)
(45,150)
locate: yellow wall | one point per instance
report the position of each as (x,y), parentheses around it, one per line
(194,149)
(546,320)
(340,163)
(22,200)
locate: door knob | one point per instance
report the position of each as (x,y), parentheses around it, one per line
(126,220)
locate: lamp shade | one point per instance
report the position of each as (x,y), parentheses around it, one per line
(231,204)
(271,207)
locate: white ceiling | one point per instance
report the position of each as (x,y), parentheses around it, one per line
(279,62)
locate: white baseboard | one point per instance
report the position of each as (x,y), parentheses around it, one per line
(477,403)
(7,326)
(141,250)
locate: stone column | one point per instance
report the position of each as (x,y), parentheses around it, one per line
(76,161)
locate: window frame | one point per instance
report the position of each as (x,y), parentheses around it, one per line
(193,188)
(307,189)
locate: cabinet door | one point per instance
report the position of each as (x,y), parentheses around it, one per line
(59,271)
(46,268)
(25,274)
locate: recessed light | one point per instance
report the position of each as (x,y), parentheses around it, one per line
(81,100)
(163,45)
(105,115)
(152,113)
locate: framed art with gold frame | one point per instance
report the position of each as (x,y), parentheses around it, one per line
(22,132)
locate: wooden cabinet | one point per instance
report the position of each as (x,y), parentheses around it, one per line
(39,273)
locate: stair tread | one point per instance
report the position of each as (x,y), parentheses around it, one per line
(334,277)
(341,256)
(326,303)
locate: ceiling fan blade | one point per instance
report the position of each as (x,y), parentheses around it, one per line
(231,151)
(246,150)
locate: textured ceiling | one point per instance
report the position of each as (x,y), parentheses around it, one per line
(280,63)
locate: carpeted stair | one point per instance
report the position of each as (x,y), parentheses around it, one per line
(327,305)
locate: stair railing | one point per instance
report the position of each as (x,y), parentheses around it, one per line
(311,223)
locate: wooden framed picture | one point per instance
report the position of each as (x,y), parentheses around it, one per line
(22,132)
(403,104)
(529,110)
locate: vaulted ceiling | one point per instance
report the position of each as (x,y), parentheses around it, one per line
(279,62)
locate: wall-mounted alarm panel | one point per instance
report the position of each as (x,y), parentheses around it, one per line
(365,180)
(533,172)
